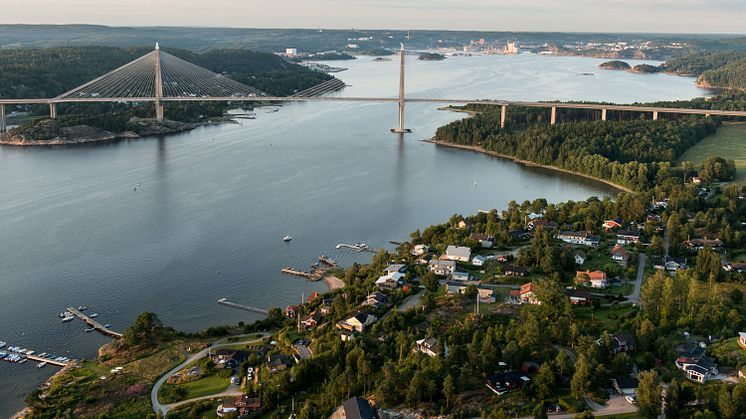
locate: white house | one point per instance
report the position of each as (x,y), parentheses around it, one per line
(430,347)
(579,237)
(392,281)
(458,253)
(419,250)
(579,258)
(357,323)
(460,276)
(478,260)
(442,267)
(742,339)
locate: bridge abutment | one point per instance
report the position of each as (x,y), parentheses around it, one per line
(53,111)
(3,125)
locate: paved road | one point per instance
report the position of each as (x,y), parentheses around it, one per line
(635,296)
(411,302)
(164,408)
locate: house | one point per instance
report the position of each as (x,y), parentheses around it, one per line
(580,257)
(527,294)
(484,240)
(596,279)
(229,358)
(465,224)
(742,339)
(393,268)
(486,294)
(515,295)
(535,216)
(354,408)
(695,245)
(619,255)
(696,180)
(504,382)
(739,267)
(376,299)
(228,406)
(429,346)
(579,297)
(391,281)
(312,297)
(502,259)
(579,237)
(511,270)
(653,218)
(458,253)
(442,267)
(312,320)
(292,311)
(621,342)
(419,250)
(674,264)
(612,224)
(627,237)
(326,306)
(697,366)
(625,385)
(460,276)
(536,225)
(357,323)
(478,260)
(279,362)
(520,234)
(246,404)
(346,335)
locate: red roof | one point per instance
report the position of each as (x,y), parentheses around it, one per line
(525,288)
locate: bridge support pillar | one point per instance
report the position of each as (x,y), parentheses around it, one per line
(707,115)
(401,129)
(3,126)
(53,111)
(503,112)
(158,111)
(603,114)
(554,115)
(655,115)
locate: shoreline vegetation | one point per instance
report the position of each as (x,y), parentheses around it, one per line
(527,163)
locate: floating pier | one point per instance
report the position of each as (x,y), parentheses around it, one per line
(328,261)
(225,302)
(19,355)
(358,247)
(296,272)
(94,324)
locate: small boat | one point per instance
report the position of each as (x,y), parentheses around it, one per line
(287,238)
(107,325)
(67,319)
(82,308)
(94,315)
(89,329)
(64,314)
(41,364)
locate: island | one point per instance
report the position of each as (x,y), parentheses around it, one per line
(614,65)
(431,56)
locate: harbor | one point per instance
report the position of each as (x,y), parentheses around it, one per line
(19,355)
(103,329)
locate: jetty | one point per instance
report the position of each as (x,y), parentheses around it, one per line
(328,261)
(19,355)
(292,271)
(225,302)
(358,247)
(94,324)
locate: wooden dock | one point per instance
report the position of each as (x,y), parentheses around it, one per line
(328,261)
(296,272)
(41,359)
(94,324)
(225,302)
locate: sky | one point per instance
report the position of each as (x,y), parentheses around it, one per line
(668,16)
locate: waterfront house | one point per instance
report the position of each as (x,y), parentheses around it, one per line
(583,238)
(619,255)
(579,297)
(612,224)
(429,346)
(627,237)
(391,281)
(312,297)
(355,408)
(292,311)
(458,253)
(580,257)
(419,250)
(442,267)
(478,260)
(596,279)
(527,294)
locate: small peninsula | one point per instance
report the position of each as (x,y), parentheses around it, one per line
(431,56)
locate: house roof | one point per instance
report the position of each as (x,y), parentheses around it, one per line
(626,381)
(628,233)
(619,250)
(443,263)
(458,251)
(527,288)
(742,335)
(579,294)
(358,408)
(592,275)
(580,253)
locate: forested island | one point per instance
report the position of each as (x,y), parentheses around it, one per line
(431,56)
(47,72)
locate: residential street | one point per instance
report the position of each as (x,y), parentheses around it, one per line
(635,296)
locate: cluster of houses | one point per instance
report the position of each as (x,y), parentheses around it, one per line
(526,295)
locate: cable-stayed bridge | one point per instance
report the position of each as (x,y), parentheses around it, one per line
(159,77)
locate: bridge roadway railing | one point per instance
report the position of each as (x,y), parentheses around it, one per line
(547,105)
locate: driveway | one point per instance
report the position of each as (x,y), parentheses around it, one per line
(635,296)
(231,391)
(411,302)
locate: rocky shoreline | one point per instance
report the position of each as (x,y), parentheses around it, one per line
(47,132)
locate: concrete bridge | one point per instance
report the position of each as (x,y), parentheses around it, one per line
(161,78)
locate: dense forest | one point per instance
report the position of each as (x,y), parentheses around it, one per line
(636,153)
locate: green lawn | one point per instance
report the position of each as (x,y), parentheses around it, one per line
(729,142)
(729,353)
(206,386)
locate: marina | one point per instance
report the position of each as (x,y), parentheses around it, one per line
(103,329)
(358,247)
(225,302)
(18,355)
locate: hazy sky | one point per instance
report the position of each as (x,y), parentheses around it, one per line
(683,16)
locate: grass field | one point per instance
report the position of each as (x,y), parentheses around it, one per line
(205,386)
(729,142)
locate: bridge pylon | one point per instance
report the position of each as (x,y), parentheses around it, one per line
(158,84)
(401,129)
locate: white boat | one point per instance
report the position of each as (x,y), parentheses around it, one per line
(67,319)
(90,329)
(82,308)
(93,315)
(41,364)
(287,238)
(107,325)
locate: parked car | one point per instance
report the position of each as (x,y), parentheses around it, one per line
(631,399)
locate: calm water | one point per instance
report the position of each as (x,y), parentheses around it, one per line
(214,203)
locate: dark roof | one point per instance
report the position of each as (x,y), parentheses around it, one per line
(358,408)
(626,381)
(362,318)
(697,368)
